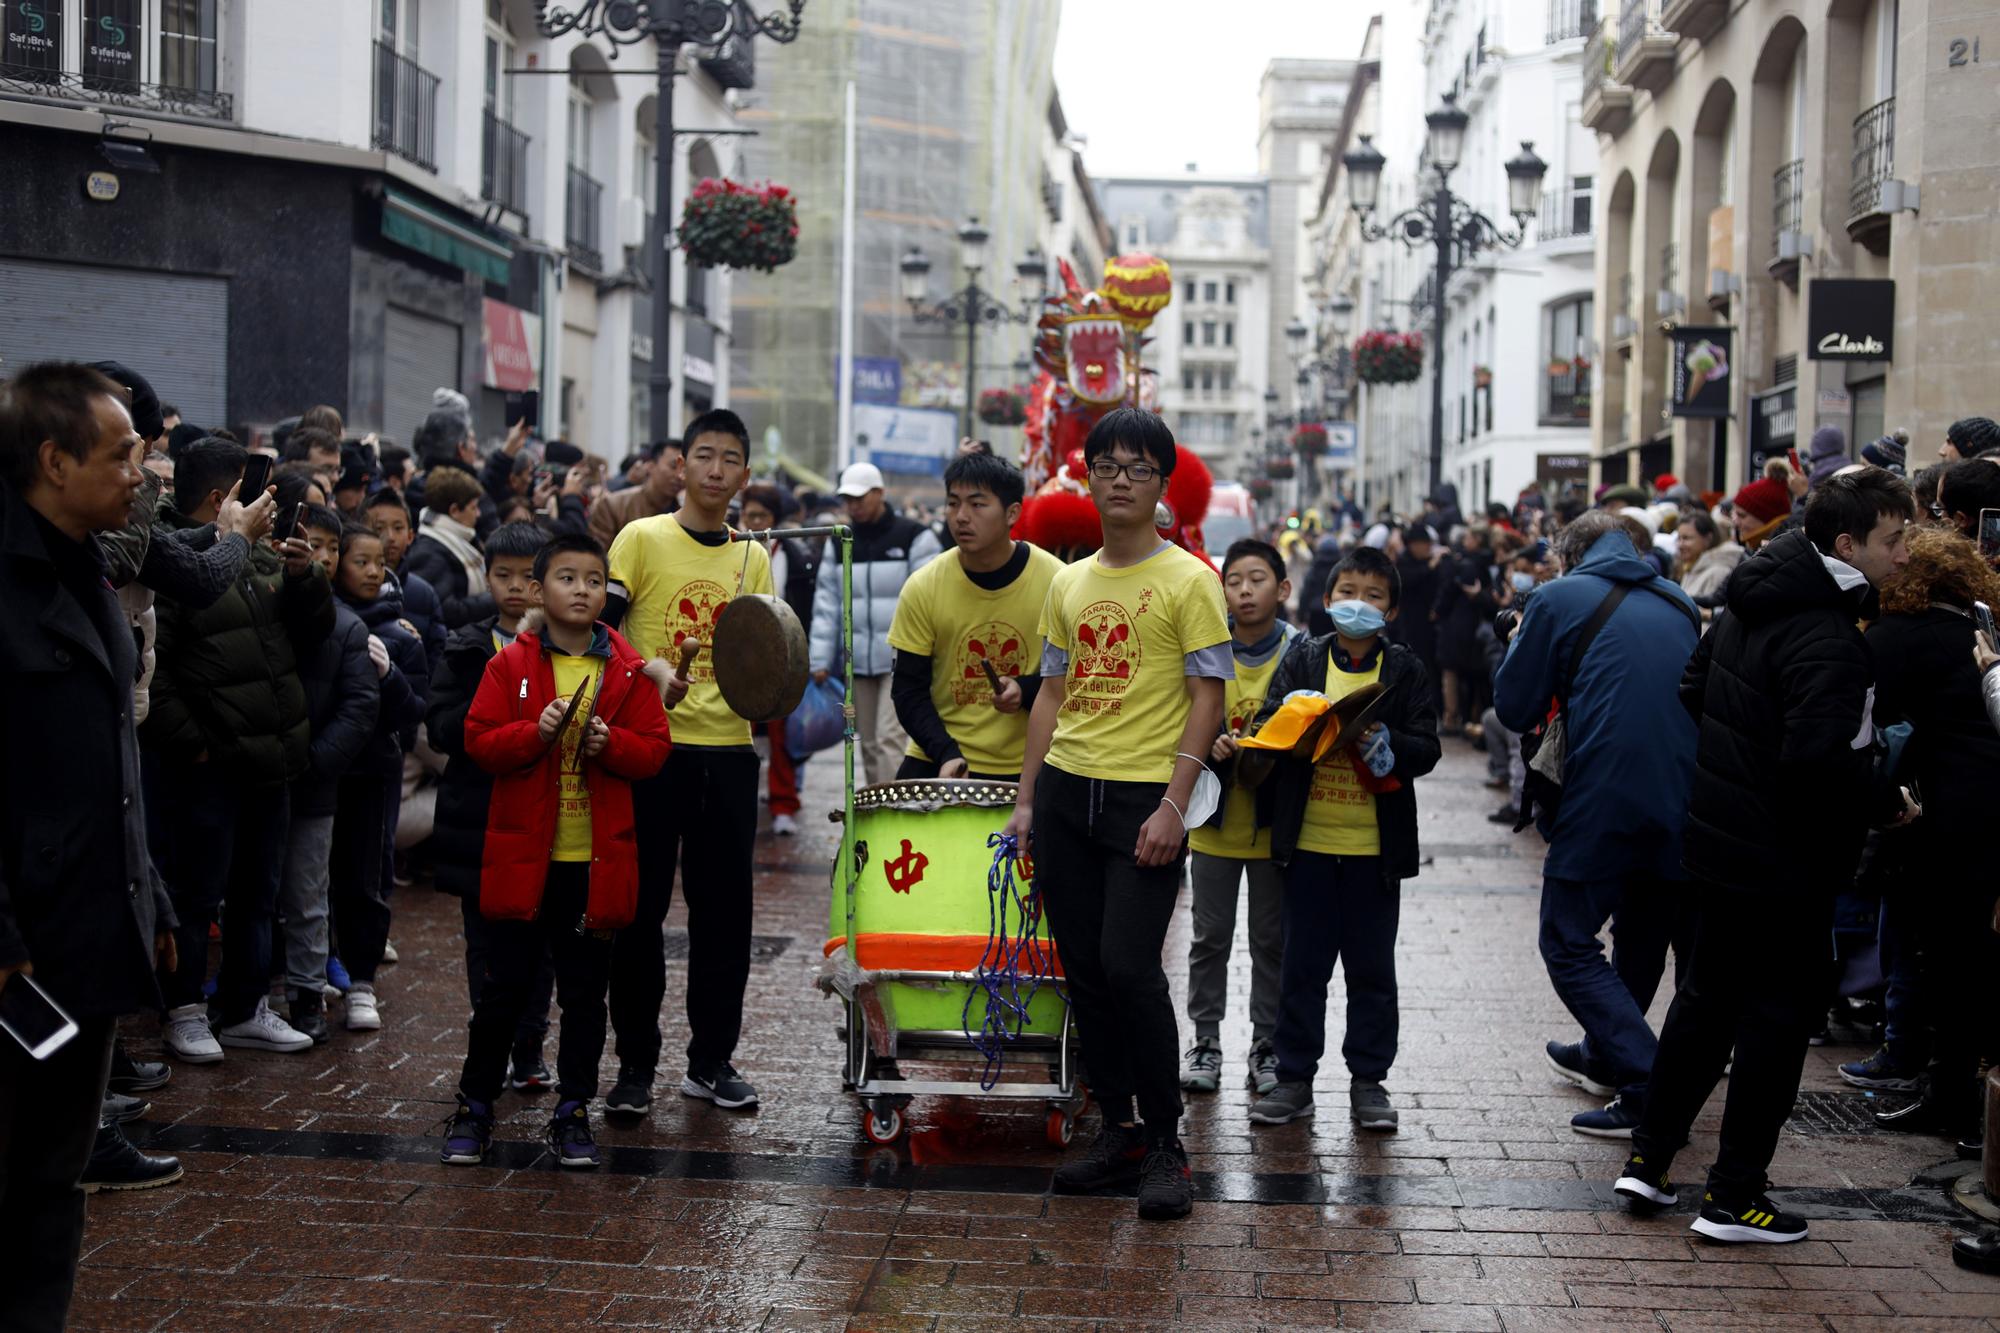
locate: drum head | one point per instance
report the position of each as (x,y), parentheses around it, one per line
(760,657)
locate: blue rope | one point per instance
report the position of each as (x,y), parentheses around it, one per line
(1000,976)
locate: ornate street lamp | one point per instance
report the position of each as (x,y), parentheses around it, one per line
(1446,222)
(973,305)
(670,25)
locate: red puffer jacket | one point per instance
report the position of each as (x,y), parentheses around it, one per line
(501,736)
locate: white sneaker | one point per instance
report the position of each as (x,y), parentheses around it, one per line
(784,825)
(264,1031)
(188,1036)
(362,1013)
(389,954)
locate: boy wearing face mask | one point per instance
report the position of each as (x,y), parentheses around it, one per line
(1345,831)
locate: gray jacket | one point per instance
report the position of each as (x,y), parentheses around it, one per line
(886,553)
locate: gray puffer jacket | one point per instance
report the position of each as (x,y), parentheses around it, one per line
(886,553)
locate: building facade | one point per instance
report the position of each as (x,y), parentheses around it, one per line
(1299,105)
(1807,189)
(348,204)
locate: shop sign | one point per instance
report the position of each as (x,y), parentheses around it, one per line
(1700,366)
(112,36)
(101,186)
(1851,319)
(877,379)
(31,39)
(1556,469)
(513,348)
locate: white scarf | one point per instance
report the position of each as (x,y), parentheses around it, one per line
(461,542)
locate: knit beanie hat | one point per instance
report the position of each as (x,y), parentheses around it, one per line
(1665,482)
(1973,435)
(1827,454)
(1628,495)
(1764,499)
(1891,451)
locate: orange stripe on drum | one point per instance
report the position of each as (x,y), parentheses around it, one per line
(888,952)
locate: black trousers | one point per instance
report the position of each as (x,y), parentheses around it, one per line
(534,1025)
(1109,916)
(225,850)
(48,1123)
(699,813)
(516,950)
(1756,985)
(1338,908)
(1961,956)
(915,769)
(357,896)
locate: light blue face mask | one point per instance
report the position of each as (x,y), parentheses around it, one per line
(1357,619)
(1523,583)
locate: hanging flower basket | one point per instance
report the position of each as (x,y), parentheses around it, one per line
(1388,358)
(726,224)
(1310,439)
(1279,468)
(1482,377)
(1003,407)
(1260,488)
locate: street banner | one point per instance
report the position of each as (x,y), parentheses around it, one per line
(1700,367)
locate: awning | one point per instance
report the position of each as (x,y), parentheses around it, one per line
(429,230)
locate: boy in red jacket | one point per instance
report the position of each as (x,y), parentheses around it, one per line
(560,868)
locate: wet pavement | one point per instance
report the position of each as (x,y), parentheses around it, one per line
(314,1199)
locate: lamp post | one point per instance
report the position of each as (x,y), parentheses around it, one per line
(972,305)
(670,24)
(1444,220)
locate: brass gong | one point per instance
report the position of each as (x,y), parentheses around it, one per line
(759,652)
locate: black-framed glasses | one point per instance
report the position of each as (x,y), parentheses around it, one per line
(1105,469)
(1937,510)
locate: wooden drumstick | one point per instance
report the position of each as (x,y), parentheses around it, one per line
(992,676)
(690,647)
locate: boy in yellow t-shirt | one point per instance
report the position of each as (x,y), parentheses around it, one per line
(1236,840)
(1345,830)
(968,656)
(1134,666)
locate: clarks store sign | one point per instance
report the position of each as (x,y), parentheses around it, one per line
(1850,319)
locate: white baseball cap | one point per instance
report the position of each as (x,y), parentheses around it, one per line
(860,478)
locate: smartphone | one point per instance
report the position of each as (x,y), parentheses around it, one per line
(256,476)
(1989,534)
(525,406)
(31,1017)
(1982,615)
(287,524)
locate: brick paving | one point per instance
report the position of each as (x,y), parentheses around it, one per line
(313,1197)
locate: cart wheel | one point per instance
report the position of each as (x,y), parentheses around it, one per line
(882,1126)
(1061,1127)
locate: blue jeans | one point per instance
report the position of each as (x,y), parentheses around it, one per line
(1609,997)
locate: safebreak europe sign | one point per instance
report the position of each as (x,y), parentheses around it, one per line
(1850,319)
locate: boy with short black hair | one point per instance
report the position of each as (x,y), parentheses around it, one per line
(1345,829)
(1133,668)
(1236,840)
(566,721)
(969,612)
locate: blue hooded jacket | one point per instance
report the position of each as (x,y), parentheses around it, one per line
(1629,760)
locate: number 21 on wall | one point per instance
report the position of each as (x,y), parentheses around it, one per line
(1962,52)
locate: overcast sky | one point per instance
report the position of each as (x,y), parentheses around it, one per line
(1157,84)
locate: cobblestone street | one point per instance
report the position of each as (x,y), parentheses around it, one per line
(314,1199)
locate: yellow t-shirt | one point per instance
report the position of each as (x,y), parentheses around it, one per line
(572,791)
(1127,632)
(677,588)
(1340,812)
(948,618)
(1239,837)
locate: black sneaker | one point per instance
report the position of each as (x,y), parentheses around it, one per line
(569,1136)
(308,1015)
(468,1134)
(1166,1187)
(129,1075)
(1757,1221)
(721,1085)
(530,1073)
(1645,1184)
(116,1165)
(1117,1154)
(120,1109)
(632,1094)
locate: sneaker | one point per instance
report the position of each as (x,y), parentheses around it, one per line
(569,1136)
(363,1012)
(632,1094)
(530,1073)
(1645,1184)
(1880,1071)
(116,1165)
(1978,1253)
(337,980)
(1566,1059)
(1615,1121)
(784,825)
(468,1134)
(721,1085)
(1284,1103)
(1368,1103)
(389,954)
(264,1031)
(308,1015)
(1117,1154)
(120,1109)
(129,1075)
(1263,1068)
(188,1036)
(1202,1067)
(1506,814)
(1758,1221)
(1166,1187)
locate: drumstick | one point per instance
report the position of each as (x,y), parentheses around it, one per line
(690,646)
(992,676)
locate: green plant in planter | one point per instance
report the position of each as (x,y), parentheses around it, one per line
(726,224)
(1003,407)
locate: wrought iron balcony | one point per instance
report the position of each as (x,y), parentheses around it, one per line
(1874,164)
(503,170)
(1645,49)
(1607,103)
(583,219)
(1571,19)
(1564,214)
(69,86)
(1788,205)
(1567,402)
(405,107)
(1695,20)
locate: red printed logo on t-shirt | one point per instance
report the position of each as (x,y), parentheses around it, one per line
(1102,659)
(691,614)
(997,644)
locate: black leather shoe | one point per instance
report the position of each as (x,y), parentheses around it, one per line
(1919,1117)
(1980,1253)
(116,1165)
(118,1108)
(129,1075)
(308,1015)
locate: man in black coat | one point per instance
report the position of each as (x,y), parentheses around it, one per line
(81,907)
(1781,691)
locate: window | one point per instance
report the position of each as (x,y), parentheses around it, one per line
(1187,291)
(187,44)
(1229,333)
(1207,382)
(1579,205)
(1187,333)
(1208,333)
(399,27)
(579,126)
(1187,381)
(1131,235)
(1208,291)
(1229,293)
(1226,378)
(1566,332)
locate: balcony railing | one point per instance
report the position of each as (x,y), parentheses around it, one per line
(1637,20)
(1568,394)
(1570,19)
(503,170)
(70,86)
(1788,198)
(1607,103)
(1645,48)
(1670,273)
(1564,213)
(582,218)
(1874,157)
(405,107)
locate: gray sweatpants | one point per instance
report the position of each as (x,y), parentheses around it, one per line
(302,899)
(1217,881)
